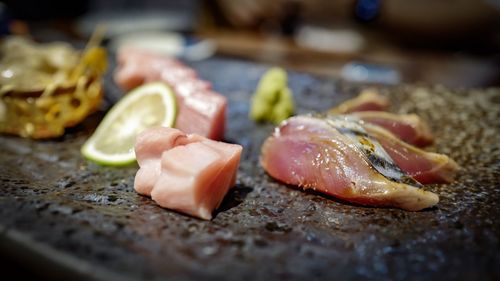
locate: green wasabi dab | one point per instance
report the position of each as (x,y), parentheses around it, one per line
(273,100)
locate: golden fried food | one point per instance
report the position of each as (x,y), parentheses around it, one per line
(45,88)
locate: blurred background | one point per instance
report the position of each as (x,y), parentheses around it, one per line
(451,42)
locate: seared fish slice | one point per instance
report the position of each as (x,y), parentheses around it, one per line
(315,153)
(371,148)
(425,167)
(408,127)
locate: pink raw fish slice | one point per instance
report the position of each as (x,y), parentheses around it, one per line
(308,152)
(186,87)
(136,67)
(407,127)
(201,111)
(425,167)
(175,76)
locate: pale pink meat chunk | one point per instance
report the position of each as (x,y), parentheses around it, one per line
(136,67)
(148,149)
(200,110)
(187,173)
(202,113)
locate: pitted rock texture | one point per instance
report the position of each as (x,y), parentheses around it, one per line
(264,230)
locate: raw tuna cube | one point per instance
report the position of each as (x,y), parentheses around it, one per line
(201,110)
(187,173)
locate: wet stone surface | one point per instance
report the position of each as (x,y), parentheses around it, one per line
(265,230)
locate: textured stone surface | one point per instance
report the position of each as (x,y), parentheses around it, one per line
(87,221)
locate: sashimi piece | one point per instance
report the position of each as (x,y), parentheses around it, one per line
(380,160)
(203,113)
(187,173)
(311,153)
(126,54)
(186,87)
(136,66)
(196,177)
(201,110)
(425,167)
(407,127)
(368,100)
(231,167)
(149,147)
(176,75)
(233,162)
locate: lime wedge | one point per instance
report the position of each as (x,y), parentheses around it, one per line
(147,106)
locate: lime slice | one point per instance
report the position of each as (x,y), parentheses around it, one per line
(147,106)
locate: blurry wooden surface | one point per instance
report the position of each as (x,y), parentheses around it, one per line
(453,69)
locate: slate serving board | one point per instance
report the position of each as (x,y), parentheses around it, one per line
(64,217)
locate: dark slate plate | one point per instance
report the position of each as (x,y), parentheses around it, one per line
(64,217)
